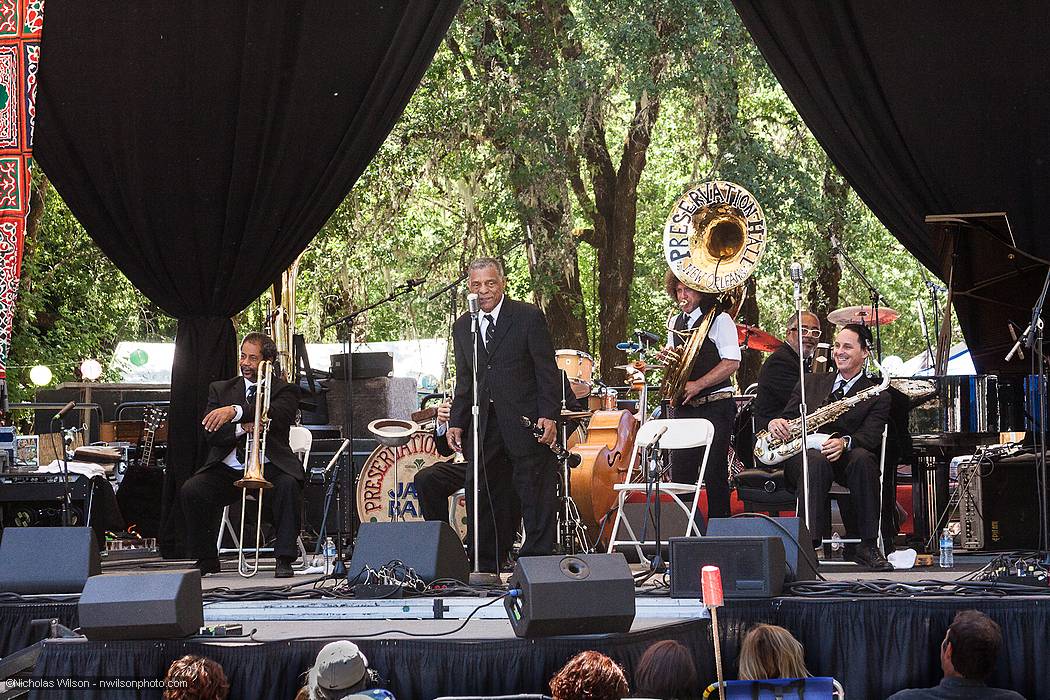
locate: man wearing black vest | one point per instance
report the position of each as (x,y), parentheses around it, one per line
(851,454)
(708,393)
(229,420)
(517,376)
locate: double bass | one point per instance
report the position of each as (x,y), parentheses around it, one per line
(604,457)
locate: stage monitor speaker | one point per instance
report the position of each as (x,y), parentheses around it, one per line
(794,535)
(432,548)
(572,594)
(47,559)
(752,567)
(142,605)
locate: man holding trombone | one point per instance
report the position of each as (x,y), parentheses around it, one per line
(229,423)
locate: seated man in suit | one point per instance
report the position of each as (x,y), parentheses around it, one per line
(229,420)
(779,373)
(851,455)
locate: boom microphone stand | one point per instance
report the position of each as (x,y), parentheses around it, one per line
(796,279)
(347,322)
(873,292)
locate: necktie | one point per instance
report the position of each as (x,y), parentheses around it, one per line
(838,392)
(247,417)
(490,329)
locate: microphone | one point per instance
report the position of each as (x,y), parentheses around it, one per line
(796,271)
(629,347)
(572,458)
(472,304)
(647,336)
(64,410)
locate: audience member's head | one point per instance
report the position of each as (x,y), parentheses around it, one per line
(195,678)
(589,676)
(340,670)
(769,651)
(971,646)
(666,670)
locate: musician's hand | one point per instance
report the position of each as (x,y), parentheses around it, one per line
(218,418)
(691,390)
(663,353)
(833,448)
(444,412)
(550,429)
(248,427)
(779,428)
(455,439)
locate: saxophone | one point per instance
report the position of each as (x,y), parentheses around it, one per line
(771,450)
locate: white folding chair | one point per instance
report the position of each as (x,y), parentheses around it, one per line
(300,439)
(676,434)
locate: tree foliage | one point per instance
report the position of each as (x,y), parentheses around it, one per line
(577,121)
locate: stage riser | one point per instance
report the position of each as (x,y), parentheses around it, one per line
(874,647)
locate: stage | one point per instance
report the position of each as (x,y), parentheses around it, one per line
(876,633)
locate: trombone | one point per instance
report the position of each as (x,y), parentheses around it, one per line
(255,449)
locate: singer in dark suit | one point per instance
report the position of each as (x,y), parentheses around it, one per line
(517,376)
(851,455)
(228,422)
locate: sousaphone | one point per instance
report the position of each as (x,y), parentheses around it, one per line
(714,238)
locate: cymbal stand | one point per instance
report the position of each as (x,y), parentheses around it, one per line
(572,536)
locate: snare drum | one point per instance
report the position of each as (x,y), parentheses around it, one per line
(579,367)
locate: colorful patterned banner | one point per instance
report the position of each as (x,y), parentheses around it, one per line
(21,22)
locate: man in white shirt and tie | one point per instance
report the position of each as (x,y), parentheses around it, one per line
(229,420)
(851,455)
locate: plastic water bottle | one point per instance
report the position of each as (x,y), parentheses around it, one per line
(329,555)
(947,550)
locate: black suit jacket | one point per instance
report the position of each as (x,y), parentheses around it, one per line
(864,422)
(284,400)
(776,380)
(517,373)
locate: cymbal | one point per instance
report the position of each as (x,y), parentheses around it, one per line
(755,338)
(639,366)
(864,315)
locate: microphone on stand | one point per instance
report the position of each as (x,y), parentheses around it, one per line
(836,249)
(629,347)
(647,337)
(64,410)
(472,304)
(796,278)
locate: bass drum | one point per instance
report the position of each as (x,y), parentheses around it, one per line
(383,490)
(604,457)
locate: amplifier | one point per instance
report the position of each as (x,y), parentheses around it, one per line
(367,365)
(42,487)
(998,504)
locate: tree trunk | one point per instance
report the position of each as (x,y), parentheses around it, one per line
(553,265)
(824,289)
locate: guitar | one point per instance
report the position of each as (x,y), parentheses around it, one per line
(153,417)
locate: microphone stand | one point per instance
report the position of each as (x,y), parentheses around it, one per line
(802,397)
(329,479)
(873,292)
(1034,340)
(476,576)
(653,477)
(347,321)
(66,494)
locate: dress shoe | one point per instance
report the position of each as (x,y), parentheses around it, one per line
(284,567)
(872,558)
(208,566)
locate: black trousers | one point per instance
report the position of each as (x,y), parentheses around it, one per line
(435,484)
(512,489)
(685,464)
(857,470)
(207,492)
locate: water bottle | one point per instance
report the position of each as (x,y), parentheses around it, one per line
(947,550)
(329,555)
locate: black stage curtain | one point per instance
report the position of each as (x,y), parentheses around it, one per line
(15,618)
(873,647)
(927,108)
(204,144)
